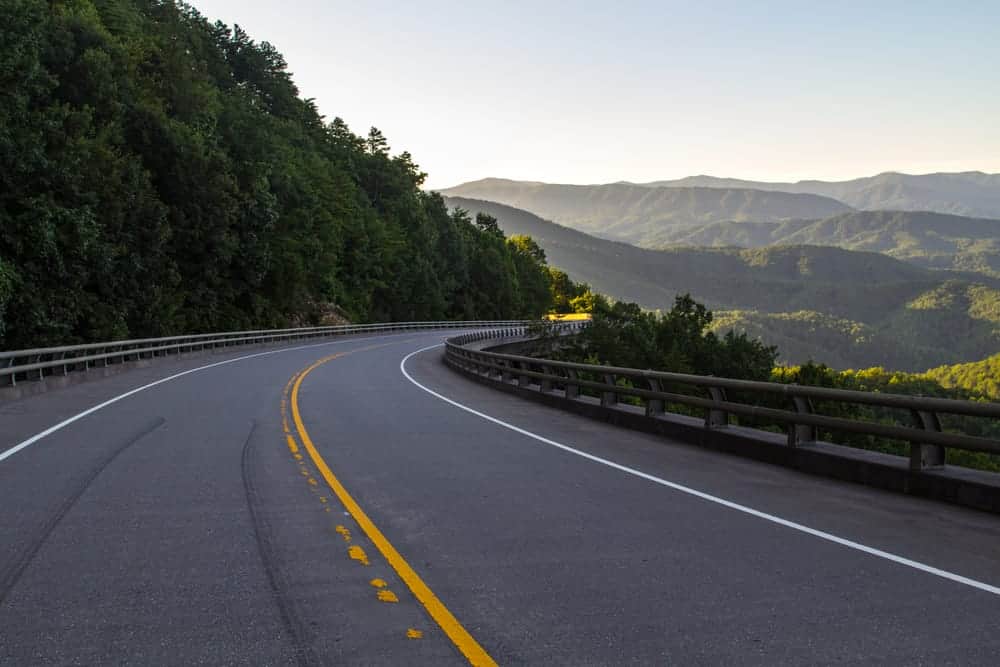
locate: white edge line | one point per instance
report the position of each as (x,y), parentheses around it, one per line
(995,590)
(63,424)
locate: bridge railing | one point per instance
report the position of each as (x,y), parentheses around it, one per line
(718,399)
(35,364)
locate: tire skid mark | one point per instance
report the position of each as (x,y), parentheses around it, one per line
(294,627)
(11,573)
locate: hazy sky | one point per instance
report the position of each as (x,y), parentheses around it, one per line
(592,92)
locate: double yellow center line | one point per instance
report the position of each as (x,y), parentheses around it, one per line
(459,636)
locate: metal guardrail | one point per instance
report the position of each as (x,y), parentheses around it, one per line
(927,440)
(35,364)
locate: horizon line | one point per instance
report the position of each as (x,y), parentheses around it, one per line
(725,178)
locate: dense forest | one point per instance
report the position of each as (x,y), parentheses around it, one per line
(682,340)
(845,308)
(161,174)
(678,340)
(979,378)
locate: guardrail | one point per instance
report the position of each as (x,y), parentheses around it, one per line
(566,380)
(35,364)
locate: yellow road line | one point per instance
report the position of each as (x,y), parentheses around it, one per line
(459,636)
(387,596)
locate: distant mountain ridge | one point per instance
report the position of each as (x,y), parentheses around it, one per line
(645,215)
(970,193)
(932,240)
(842,307)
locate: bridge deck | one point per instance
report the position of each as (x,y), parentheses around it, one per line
(177,526)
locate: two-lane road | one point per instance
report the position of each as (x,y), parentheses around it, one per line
(331,504)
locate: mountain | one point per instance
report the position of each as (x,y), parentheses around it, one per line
(933,240)
(970,193)
(843,307)
(646,215)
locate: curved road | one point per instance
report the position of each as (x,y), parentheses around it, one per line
(329,504)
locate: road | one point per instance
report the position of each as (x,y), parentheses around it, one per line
(316,505)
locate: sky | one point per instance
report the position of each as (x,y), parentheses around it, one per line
(596,92)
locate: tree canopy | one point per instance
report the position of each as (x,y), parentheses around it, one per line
(679,340)
(161,174)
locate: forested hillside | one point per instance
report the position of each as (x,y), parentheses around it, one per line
(934,240)
(160,174)
(641,215)
(845,308)
(977,377)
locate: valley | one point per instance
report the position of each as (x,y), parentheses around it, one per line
(847,308)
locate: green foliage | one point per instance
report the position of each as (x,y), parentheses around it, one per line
(568,296)
(978,378)
(623,334)
(849,309)
(160,174)
(533,277)
(7,286)
(877,379)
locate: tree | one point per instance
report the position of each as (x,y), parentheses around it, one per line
(159,174)
(488,224)
(623,334)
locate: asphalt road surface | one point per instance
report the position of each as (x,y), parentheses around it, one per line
(314,505)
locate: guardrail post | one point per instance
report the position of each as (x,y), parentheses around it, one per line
(609,398)
(654,406)
(505,374)
(523,380)
(801,434)
(716,418)
(492,371)
(545,384)
(923,456)
(572,389)
(13,380)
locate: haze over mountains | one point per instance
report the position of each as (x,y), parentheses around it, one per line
(657,214)
(970,193)
(646,215)
(845,308)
